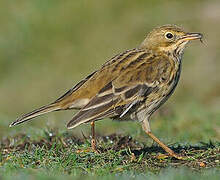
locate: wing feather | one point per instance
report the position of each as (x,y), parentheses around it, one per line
(110,104)
(95,109)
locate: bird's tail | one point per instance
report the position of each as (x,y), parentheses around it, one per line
(35,113)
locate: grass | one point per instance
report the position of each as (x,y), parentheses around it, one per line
(55,153)
(64,154)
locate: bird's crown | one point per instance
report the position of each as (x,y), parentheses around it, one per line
(168,37)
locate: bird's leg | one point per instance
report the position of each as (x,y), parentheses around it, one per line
(93,141)
(146,128)
(161,144)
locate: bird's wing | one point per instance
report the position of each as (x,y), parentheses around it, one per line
(82,93)
(110,101)
(135,81)
(85,90)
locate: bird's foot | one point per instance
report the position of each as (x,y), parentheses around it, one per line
(177,156)
(87,150)
(174,155)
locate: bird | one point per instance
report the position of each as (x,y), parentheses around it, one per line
(132,85)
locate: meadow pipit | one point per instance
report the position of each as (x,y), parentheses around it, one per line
(130,86)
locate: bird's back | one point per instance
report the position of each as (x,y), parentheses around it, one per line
(85,90)
(136,78)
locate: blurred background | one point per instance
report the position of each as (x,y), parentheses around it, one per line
(47,46)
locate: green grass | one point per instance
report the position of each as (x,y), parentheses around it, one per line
(64,154)
(42,153)
(31,152)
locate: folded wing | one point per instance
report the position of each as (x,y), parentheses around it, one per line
(109,102)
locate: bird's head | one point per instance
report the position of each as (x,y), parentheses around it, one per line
(168,38)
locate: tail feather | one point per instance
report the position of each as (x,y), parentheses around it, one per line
(35,113)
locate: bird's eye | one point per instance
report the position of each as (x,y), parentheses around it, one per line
(169,35)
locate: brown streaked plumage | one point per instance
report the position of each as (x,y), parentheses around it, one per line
(131,85)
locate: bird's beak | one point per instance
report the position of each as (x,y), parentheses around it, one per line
(192,36)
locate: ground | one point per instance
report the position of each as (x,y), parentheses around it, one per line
(122,156)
